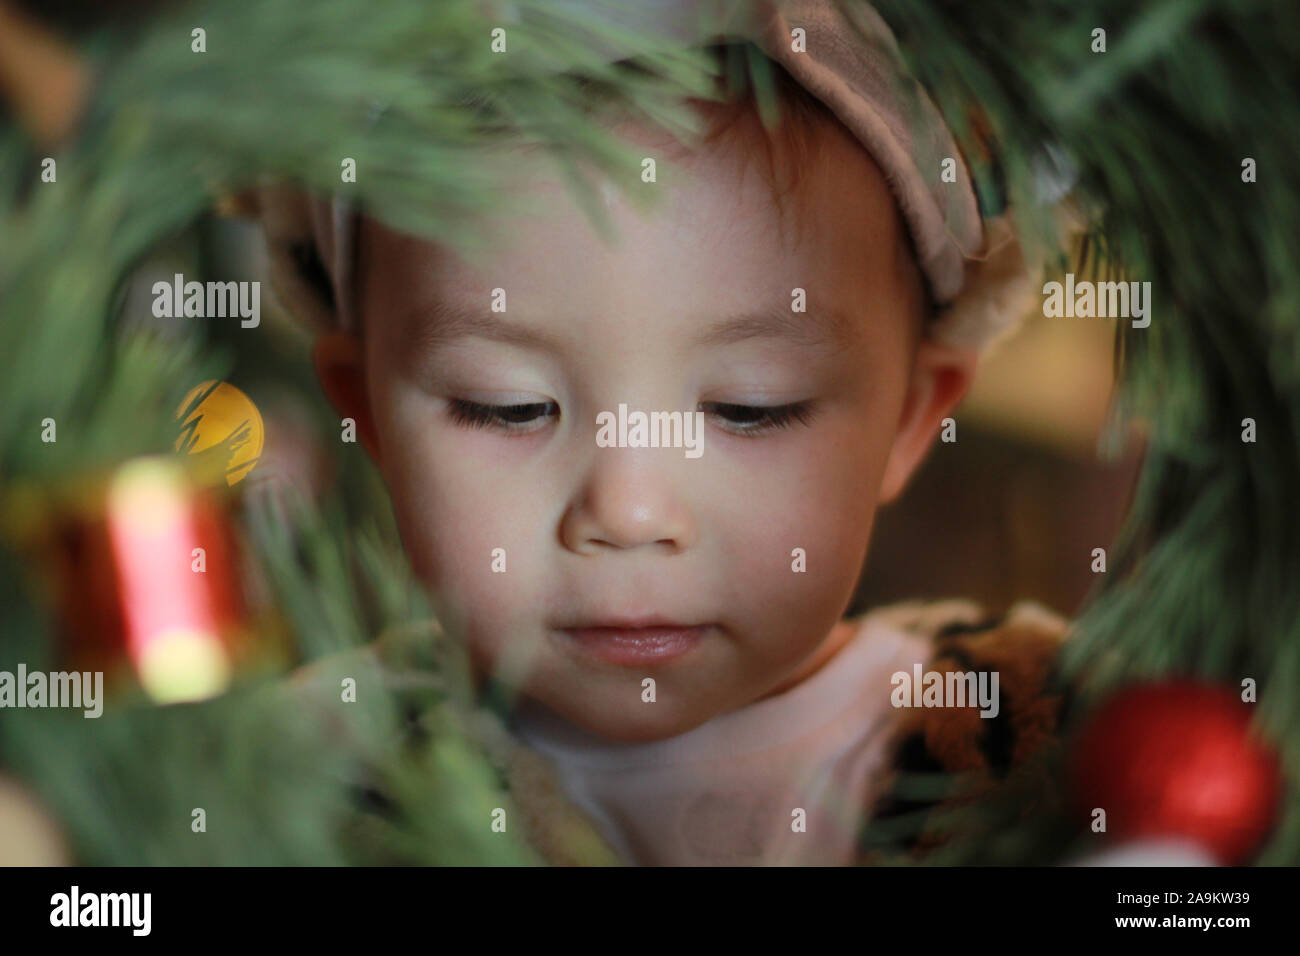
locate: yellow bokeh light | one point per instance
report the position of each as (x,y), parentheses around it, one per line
(222,422)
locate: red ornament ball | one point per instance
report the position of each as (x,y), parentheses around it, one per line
(1177,759)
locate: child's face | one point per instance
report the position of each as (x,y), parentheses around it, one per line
(691,309)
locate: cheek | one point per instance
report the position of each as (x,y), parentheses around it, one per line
(802,557)
(461,514)
(817,493)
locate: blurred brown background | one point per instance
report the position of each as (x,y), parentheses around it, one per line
(1014,507)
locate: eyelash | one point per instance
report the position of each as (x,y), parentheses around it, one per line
(474,415)
(768,417)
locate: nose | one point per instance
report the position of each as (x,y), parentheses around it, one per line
(630,498)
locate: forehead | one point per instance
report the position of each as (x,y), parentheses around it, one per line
(710,239)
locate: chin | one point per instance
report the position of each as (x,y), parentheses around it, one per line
(629,726)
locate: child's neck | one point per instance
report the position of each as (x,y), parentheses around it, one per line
(839,635)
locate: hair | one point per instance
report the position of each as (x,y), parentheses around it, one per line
(788,145)
(734,117)
(788,142)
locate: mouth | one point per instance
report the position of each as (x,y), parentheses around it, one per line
(632,643)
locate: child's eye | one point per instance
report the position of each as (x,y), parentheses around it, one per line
(525,417)
(757,419)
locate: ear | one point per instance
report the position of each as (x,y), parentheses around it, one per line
(941,376)
(340,364)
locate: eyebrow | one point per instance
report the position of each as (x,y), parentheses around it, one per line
(814,328)
(441,322)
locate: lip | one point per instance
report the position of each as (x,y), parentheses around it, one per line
(622,622)
(650,641)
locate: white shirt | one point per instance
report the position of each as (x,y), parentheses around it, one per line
(727,792)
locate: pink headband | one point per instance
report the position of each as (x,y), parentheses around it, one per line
(857,72)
